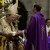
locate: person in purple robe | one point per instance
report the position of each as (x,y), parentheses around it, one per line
(35,33)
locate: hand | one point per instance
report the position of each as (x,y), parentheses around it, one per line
(19,32)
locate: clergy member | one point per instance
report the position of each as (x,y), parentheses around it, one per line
(9,30)
(35,33)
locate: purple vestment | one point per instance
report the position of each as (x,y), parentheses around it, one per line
(36,32)
(48,42)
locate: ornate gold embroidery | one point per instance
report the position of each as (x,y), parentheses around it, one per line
(42,29)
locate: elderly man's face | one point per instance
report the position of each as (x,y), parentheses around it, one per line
(11,17)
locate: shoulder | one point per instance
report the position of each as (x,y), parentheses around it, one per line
(34,16)
(2,20)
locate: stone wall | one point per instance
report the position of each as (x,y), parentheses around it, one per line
(44,3)
(49,8)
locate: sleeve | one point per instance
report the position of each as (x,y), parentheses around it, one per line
(30,31)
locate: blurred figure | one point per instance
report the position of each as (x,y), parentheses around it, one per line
(48,26)
(48,32)
(35,33)
(24,15)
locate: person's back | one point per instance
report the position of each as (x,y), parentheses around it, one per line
(41,37)
(36,31)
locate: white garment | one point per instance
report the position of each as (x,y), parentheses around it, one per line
(47,29)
